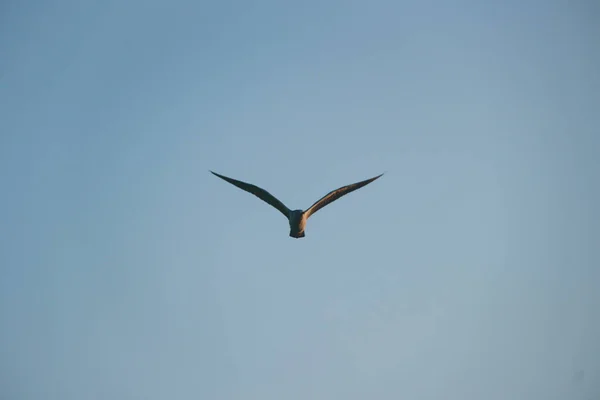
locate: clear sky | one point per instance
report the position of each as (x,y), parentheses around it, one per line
(469,271)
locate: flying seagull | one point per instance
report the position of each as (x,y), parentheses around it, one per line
(296,218)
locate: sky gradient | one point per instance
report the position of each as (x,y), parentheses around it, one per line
(469,271)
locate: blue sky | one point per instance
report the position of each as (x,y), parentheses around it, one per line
(469,271)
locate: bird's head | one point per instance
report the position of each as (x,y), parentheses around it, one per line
(295,216)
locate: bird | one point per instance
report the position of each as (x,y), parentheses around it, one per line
(296,218)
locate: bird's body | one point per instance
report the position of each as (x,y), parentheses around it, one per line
(296,218)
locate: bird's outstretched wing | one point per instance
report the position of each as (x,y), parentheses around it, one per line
(336,194)
(258,192)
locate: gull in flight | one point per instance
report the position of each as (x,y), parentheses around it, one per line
(297,218)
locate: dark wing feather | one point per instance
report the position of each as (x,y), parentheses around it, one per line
(258,192)
(336,194)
